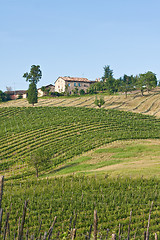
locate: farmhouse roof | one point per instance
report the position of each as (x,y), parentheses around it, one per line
(17,92)
(47,86)
(75,79)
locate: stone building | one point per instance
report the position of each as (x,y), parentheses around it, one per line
(70,84)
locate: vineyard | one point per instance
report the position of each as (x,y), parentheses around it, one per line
(72,201)
(67,131)
(71,133)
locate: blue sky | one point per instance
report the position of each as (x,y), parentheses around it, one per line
(77,38)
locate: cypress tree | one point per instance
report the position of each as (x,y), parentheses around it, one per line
(32,93)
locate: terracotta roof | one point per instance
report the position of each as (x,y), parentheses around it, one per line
(75,79)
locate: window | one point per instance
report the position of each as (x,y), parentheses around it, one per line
(79,84)
(75,84)
(69,84)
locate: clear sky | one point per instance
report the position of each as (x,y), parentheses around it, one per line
(77,38)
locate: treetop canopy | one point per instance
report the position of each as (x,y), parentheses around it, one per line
(34,75)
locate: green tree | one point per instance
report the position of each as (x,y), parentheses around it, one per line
(108,79)
(150,80)
(140,83)
(99,102)
(40,159)
(33,77)
(147,81)
(81,92)
(45,90)
(75,91)
(32,94)
(126,84)
(2,96)
(66,90)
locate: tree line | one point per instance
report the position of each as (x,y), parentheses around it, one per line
(4,96)
(144,81)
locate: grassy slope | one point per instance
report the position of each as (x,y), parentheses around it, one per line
(148,104)
(132,158)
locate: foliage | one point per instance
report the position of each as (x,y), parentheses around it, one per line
(45,90)
(141,83)
(81,92)
(73,200)
(32,93)
(34,75)
(146,81)
(40,159)
(2,96)
(150,80)
(99,102)
(126,84)
(75,91)
(108,79)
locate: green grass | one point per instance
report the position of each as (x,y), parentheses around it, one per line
(127,158)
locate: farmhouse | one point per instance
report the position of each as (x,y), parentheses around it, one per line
(45,90)
(17,94)
(70,84)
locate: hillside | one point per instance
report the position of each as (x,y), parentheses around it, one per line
(68,131)
(106,160)
(148,104)
(103,159)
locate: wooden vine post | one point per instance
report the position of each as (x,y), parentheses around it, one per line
(113,236)
(20,235)
(1,193)
(129,225)
(95,225)
(149,218)
(1,189)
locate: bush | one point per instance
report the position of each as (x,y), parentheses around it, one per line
(82,92)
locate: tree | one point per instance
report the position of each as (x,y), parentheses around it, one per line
(108,79)
(40,159)
(2,96)
(140,83)
(35,74)
(75,91)
(33,77)
(150,80)
(81,92)
(32,94)
(99,102)
(147,81)
(45,90)
(126,84)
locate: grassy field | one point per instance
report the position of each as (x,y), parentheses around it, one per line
(132,158)
(148,104)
